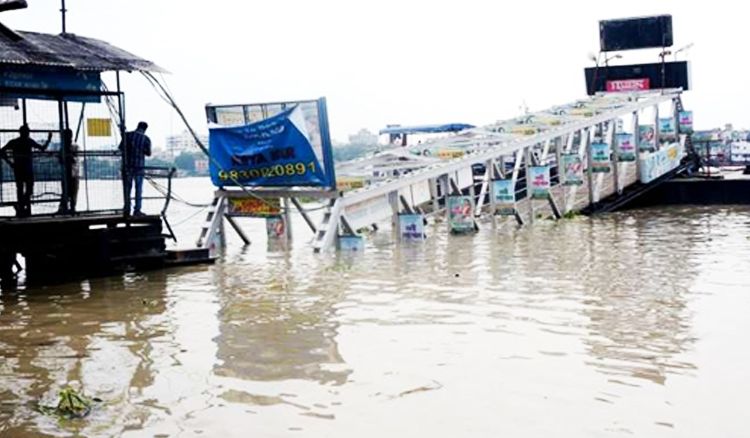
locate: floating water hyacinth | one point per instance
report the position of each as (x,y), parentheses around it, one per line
(71,404)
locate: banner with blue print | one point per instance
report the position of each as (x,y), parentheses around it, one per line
(271,152)
(503,190)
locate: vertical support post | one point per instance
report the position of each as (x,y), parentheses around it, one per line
(472,189)
(589,168)
(676,116)
(395,208)
(63,11)
(637,145)
(528,185)
(124,156)
(63,158)
(615,157)
(560,170)
(492,174)
(288,218)
(432,184)
(23,111)
(657,134)
(446,189)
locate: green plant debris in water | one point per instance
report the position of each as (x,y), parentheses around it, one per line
(571,214)
(71,404)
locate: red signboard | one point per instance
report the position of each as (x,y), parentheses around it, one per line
(628,85)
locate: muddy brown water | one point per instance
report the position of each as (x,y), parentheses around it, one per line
(630,324)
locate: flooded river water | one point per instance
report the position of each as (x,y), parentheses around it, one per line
(630,324)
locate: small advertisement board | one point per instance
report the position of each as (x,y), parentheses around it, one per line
(686,122)
(253,207)
(646,138)
(600,157)
(411,226)
(625,147)
(572,169)
(504,194)
(460,214)
(275,227)
(539,181)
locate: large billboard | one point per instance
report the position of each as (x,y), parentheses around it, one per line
(279,144)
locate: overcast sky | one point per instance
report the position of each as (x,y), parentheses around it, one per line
(391,61)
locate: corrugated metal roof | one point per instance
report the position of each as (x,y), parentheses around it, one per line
(68,50)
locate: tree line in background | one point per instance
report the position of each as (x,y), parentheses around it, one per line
(187,163)
(350,151)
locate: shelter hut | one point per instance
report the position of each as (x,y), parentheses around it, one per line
(52,83)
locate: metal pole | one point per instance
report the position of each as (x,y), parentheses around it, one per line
(657,134)
(528,185)
(637,145)
(63,153)
(615,158)
(304,214)
(63,10)
(589,165)
(288,218)
(237,229)
(123,159)
(23,110)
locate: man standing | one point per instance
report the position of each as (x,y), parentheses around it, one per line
(23,167)
(70,172)
(135,148)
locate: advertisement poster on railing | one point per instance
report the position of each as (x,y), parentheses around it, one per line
(573,169)
(667,130)
(740,152)
(658,163)
(504,194)
(686,122)
(253,207)
(539,180)
(625,147)
(351,243)
(460,214)
(411,226)
(646,138)
(600,158)
(275,227)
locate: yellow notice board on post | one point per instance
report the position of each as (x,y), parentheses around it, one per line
(99,127)
(254,207)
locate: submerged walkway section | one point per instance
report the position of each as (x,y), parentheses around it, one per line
(549,163)
(508,151)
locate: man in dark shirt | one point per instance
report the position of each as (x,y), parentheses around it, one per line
(23,167)
(135,148)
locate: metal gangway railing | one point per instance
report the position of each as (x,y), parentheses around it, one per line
(98,179)
(401,180)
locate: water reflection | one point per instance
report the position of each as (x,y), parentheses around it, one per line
(277,322)
(638,297)
(93,335)
(590,319)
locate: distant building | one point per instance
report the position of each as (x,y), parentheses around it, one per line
(201,166)
(184,142)
(363,137)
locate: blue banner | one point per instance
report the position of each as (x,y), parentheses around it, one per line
(32,83)
(272,152)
